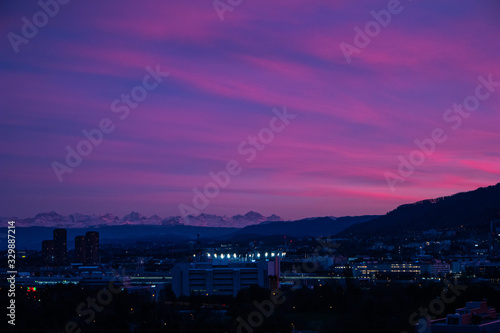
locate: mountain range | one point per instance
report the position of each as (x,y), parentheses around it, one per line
(31,237)
(467,211)
(76,220)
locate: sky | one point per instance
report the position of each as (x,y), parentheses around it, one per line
(316,108)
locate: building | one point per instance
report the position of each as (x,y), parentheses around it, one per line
(60,247)
(495,236)
(485,270)
(475,317)
(87,248)
(80,249)
(274,273)
(382,271)
(221,277)
(459,264)
(435,268)
(92,248)
(55,251)
(48,252)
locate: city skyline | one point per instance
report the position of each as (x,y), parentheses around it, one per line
(357,102)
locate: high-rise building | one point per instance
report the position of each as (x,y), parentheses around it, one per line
(92,248)
(80,249)
(48,252)
(87,248)
(60,247)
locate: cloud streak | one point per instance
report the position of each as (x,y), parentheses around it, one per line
(355,119)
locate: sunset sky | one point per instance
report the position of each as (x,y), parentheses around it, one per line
(353,119)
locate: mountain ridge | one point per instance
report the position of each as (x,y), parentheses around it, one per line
(77,220)
(472,209)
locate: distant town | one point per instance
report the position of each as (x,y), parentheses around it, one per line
(180,275)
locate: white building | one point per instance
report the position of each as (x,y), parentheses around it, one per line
(219,277)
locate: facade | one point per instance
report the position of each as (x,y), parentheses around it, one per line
(436,268)
(220,277)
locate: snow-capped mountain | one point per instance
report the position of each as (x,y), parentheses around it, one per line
(237,221)
(77,220)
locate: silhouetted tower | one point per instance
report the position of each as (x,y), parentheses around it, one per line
(48,252)
(92,248)
(60,247)
(80,249)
